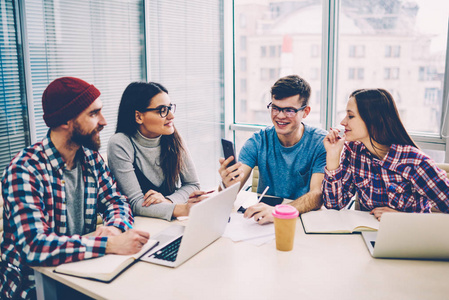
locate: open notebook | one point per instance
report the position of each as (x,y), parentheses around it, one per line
(104,268)
(338,221)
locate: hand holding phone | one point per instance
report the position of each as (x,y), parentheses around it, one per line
(228,150)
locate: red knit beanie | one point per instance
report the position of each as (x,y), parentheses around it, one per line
(65,98)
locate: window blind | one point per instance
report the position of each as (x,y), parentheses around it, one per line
(13,120)
(186,56)
(101,42)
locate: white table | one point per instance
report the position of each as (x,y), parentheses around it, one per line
(319,267)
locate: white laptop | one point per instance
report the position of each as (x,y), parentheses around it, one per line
(410,235)
(207,222)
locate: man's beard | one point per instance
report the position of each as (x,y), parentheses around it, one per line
(88,140)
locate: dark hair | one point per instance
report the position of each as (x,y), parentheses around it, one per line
(378,110)
(136,97)
(290,86)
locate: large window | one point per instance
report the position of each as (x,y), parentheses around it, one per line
(101,42)
(111,43)
(13,121)
(388,44)
(405,53)
(283,38)
(185,49)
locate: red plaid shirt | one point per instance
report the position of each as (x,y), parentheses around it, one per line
(405,180)
(35,214)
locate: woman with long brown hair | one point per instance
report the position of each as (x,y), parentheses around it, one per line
(380,162)
(148,157)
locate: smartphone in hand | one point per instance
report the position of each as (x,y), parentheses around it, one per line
(228,150)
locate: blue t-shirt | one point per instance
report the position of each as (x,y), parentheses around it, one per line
(286,170)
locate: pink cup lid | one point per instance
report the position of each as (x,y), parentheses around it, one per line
(283,211)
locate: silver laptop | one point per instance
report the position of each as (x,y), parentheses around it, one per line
(410,235)
(207,222)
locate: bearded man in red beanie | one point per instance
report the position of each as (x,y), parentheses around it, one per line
(54,189)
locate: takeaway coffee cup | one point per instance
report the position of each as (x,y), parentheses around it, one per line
(285,217)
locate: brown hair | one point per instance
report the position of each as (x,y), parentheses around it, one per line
(378,110)
(290,86)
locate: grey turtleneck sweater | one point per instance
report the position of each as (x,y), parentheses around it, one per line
(120,161)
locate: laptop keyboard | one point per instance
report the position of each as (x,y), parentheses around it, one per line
(169,252)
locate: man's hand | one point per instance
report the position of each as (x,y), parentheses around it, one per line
(232,174)
(127,243)
(107,231)
(153,197)
(261,212)
(378,211)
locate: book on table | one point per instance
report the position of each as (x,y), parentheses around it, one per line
(105,268)
(339,221)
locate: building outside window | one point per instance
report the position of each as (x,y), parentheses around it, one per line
(370,33)
(243,43)
(243,64)
(314,74)
(273,74)
(272,51)
(315,51)
(356,51)
(391,73)
(396,29)
(242,19)
(243,87)
(263,51)
(392,51)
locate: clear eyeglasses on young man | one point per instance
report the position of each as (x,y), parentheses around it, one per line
(289,112)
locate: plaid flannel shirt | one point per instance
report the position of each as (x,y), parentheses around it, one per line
(406,180)
(35,214)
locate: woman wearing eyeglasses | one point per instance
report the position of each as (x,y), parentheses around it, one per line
(148,157)
(380,161)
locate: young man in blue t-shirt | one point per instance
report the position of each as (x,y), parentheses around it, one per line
(290,155)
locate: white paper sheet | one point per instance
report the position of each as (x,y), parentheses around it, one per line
(241,229)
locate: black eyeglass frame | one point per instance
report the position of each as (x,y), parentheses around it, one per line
(282,109)
(171,107)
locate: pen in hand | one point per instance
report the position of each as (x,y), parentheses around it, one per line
(243,209)
(196,196)
(128,224)
(263,193)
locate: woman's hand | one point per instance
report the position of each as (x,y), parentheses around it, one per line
(378,211)
(333,143)
(232,174)
(182,210)
(153,197)
(198,196)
